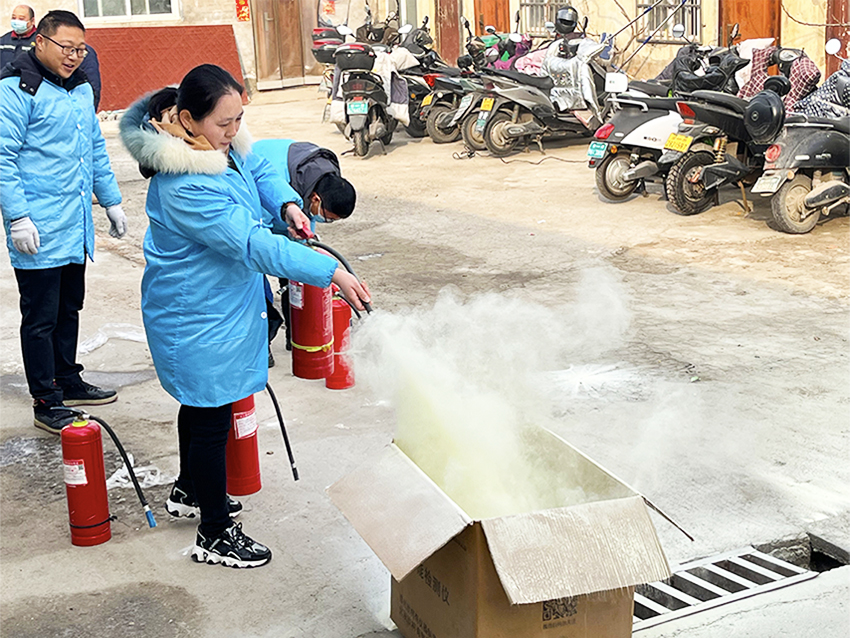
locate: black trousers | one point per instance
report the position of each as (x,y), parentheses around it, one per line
(202,433)
(51,300)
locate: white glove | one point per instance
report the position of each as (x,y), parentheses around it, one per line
(25,236)
(119,220)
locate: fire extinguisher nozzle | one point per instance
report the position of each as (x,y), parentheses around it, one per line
(295,472)
(149,516)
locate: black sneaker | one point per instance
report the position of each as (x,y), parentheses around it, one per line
(231,548)
(51,416)
(180,505)
(87,394)
(271,358)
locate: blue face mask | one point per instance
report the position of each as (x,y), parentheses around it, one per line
(319,219)
(20,26)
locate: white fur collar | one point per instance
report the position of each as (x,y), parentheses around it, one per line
(167,154)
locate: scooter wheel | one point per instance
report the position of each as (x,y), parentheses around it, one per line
(689,197)
(441,135)
(609,178)
(789,212)
(361,143)
(472,138)
(494,138)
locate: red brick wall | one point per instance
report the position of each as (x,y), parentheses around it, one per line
(137,60)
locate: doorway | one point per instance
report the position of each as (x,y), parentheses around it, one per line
(277,43)
(755,18)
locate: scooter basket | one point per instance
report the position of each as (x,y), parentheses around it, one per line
(355,57)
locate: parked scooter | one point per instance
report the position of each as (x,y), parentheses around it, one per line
(523,108)
(697,154)
(807,166)
(366,100)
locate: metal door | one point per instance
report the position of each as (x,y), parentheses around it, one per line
(756,18)
(492,13)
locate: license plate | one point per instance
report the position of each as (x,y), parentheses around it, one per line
(487,104)
(481,122)
(597,150)
(464,104)
(678,142)
(769,182)
(357,107)
(427,99)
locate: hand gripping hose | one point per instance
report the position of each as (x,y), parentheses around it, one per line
(346,265)
(283,431)
(148,512)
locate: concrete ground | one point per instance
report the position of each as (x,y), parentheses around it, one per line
(733,416)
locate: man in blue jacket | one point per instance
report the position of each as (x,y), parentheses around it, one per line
(52,156)
(325,195)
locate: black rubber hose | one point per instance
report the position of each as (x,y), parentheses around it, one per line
(129,466)
(345,264)
(283,431)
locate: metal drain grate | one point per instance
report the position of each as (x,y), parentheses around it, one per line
(710,582)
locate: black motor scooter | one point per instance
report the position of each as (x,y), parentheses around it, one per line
(807,166)
(713,146)
(366,99)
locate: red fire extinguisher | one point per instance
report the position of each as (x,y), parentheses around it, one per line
(85,481)
(312,330)
(342,376)
(241,454)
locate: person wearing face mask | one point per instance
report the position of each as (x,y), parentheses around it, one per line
(22,36)
(52,158)
(206,249)
(314,174)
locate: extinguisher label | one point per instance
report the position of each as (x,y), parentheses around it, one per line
(245,423)
(296,295)
(75,472)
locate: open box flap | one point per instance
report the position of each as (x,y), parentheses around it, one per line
(400,512)
(575,550)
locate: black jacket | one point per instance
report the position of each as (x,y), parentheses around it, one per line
(12,46)
(32,72)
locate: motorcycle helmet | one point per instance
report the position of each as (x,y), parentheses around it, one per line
(566,20)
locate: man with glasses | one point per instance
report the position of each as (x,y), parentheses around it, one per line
(52,157)
(325,196)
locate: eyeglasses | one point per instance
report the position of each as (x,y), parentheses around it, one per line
(68,51)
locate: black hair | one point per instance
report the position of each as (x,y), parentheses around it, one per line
(52,20)
(160,101)
(337,194)
(29,9)
(202,88)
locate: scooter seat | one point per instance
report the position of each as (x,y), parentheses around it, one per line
(722,99)
(650,88)
(545,83)
(841,125)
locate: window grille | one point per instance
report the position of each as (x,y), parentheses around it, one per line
(534,14)
(129,9)
(688,14)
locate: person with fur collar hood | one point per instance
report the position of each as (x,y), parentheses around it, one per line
(207,248)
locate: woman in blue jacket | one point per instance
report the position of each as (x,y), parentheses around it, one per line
(202,292)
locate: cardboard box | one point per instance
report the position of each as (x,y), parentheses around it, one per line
(562,572)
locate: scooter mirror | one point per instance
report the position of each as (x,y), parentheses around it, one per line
(678,31)
(491,55)
(616,82)
(490,29)
(515,37)
(464,22)
(733,34)
(550,27)
(344,30)
(833,46)
(407,28)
